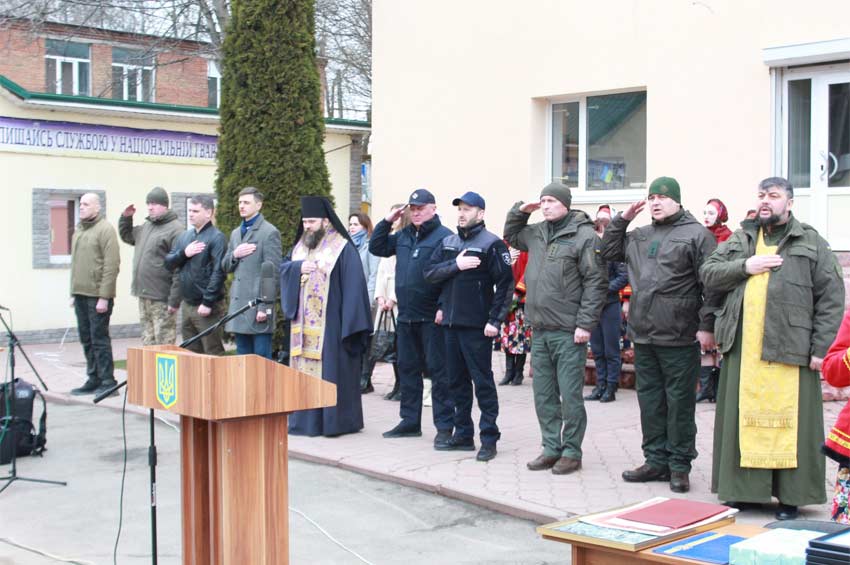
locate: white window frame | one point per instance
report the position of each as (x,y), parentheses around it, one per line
(213,72)
(57,84)
(64,259)
(581,194)
(125,74)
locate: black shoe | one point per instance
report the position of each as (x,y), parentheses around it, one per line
(646,473)
(88,388)
(442,441)
(680,481)
(597,392)
(366,385)
(518,369)
(786,512)
(103,387)
(608,395)
(743,505)
(706,384)
(394,393)
(510,369)
(461,444)
(486,453)
(404,430)
(509,378)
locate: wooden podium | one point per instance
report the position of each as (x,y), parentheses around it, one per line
(233,439)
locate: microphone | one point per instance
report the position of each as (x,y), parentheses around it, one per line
(268,283)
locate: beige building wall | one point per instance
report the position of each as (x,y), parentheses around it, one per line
(462,92)
(39,297)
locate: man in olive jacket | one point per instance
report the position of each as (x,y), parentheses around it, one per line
(95,261)
(566,282)
(254,243)
(668,316)
(772,343)
(157,289)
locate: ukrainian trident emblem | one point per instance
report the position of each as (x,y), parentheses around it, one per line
(166,379)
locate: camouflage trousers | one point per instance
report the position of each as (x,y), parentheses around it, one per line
(158,326)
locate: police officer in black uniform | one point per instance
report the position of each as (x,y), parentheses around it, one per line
(474,269)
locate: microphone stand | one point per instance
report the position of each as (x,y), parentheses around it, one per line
(152,447)
(9,419)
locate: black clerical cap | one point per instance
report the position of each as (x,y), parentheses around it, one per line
(319,207)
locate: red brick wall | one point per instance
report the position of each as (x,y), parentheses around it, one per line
(22,58)
(101,70)
(181,79)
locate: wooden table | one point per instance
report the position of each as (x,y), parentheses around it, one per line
(592,554)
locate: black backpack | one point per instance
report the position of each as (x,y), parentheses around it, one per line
(16,428)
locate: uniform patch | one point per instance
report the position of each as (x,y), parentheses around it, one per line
(506,257)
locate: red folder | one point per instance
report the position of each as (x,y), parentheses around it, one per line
(674,513)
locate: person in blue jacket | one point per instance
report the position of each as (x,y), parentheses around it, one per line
(470,265)
(420,340)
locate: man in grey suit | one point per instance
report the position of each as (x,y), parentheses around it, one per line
(254,243)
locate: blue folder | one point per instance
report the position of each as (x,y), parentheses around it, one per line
(709,547)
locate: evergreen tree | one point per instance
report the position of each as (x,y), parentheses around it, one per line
(272,126)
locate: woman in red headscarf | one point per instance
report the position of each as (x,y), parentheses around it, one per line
(515,339)
(715,215)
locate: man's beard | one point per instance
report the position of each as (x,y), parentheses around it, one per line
(311,239)
(770,221)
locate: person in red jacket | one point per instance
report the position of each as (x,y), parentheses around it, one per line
(836,371)
(515,337)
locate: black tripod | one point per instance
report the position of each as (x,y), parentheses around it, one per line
(10,417)
(151,417)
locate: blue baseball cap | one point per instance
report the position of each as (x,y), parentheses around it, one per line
(471,198)
(420,197)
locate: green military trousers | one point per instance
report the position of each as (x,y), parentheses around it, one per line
(666,379)
(558,382)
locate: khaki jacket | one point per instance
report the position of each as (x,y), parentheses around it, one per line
(153,240)
(566,279)
(805,296)
(95,259)
(668,304)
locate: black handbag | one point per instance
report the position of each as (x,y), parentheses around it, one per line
(383,346)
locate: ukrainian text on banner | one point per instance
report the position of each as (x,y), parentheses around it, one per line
(48,137)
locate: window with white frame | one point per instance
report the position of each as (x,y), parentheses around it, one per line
(213,85)
(132,75)
(599,142)
(55,216)
(67,67)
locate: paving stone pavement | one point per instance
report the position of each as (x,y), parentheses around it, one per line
(611,445)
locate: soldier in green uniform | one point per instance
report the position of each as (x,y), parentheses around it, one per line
(669,322)
(566,282)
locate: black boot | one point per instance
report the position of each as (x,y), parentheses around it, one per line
(519,366)
(597,391)
(395,393)
(706,384)
(608,395)
(367,368)
(510,368)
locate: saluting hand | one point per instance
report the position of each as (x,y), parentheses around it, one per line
(529,207)
(129,211)
(396,214)
(633,210)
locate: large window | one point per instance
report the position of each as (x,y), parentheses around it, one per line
(54,219)
(67,67)
(599,142)
(132,75)
(213,85)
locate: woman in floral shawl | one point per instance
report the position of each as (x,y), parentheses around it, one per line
(515,339)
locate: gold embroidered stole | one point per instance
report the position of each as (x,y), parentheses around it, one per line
(768,402)
(307,331)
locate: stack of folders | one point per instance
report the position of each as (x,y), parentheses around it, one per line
(831,549)
(643,525)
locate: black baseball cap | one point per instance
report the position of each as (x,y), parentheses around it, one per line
(420,197)
(471,198)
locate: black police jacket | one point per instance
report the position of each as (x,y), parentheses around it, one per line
(474,297)
(201,276)
(417,298)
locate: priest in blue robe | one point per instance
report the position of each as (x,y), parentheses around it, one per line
(323,295)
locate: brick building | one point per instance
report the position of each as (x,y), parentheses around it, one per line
(90,110)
